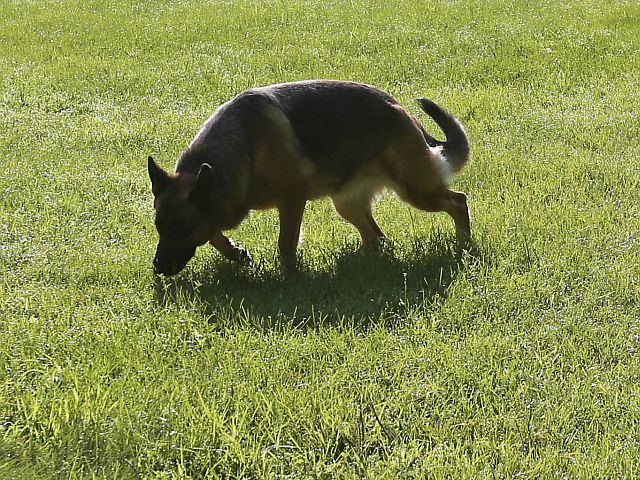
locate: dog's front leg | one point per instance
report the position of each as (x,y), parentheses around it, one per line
(229,250)
(290,213)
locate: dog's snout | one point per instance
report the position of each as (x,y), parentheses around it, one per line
(161,267)
(165,268)
(169,261)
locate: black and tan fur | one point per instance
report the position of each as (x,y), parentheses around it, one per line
(282,145)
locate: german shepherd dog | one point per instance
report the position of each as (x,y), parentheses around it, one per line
(281,145)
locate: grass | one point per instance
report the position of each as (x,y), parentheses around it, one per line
(516,360)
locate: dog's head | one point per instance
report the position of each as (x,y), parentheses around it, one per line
(185,218)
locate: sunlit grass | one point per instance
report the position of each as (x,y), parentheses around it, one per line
(517,359)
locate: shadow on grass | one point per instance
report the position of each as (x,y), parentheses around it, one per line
(351,287)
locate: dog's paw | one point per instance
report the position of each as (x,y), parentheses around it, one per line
(242,255)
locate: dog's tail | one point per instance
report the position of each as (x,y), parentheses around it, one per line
(456,149)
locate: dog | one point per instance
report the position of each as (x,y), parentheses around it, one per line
(281,145)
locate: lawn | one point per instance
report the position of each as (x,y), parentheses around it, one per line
(517,358)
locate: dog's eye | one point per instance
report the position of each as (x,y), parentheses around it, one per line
(177,230)
(175,224)
(181,230)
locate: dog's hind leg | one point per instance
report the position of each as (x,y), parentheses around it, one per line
(420,179)
(444,200)
(290,213)
(357,211)
(456,206)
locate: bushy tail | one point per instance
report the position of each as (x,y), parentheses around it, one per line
(456,149)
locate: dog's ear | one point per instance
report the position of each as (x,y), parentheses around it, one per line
(159,178)
(205,187)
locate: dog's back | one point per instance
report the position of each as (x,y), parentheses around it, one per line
(337,125)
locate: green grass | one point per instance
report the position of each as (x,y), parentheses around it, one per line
(520,359)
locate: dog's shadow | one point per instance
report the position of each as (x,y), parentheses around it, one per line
(349,286)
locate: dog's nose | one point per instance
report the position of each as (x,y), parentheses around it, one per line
(165,268)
